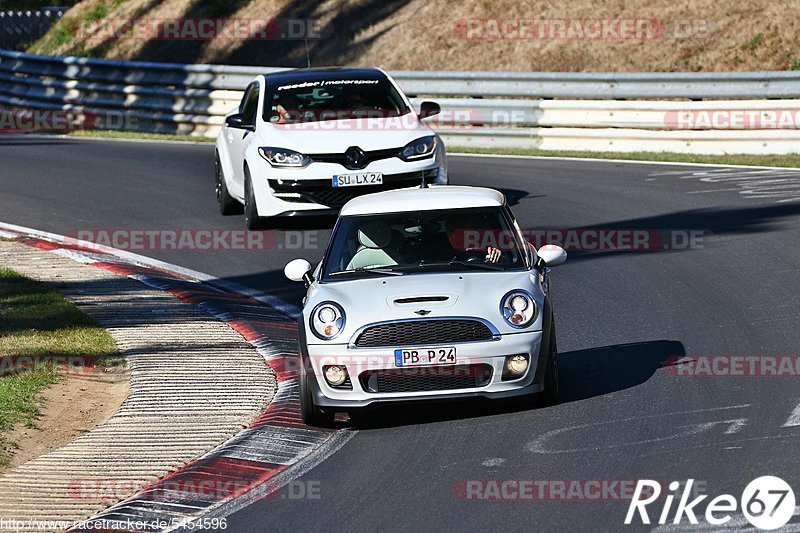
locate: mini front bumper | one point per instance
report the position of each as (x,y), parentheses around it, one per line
(359,361)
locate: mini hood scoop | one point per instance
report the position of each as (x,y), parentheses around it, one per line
(428,301)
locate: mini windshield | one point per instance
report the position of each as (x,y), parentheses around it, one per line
(333,98)
(423,241)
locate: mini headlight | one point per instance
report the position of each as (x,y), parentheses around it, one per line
(327,320)
(281,157)
(419,148)
(519,303)
(519,308)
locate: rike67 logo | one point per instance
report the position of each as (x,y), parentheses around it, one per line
(767,503)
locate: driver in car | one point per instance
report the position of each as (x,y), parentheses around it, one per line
(462,231)
(286,109)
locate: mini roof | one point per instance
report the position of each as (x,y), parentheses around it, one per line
(436,197)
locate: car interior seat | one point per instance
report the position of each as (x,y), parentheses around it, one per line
(375,250)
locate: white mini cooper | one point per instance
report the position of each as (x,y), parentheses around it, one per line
(425,294)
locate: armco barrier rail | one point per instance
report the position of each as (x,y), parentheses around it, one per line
(743,112)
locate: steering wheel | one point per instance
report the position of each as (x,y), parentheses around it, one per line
(474,255)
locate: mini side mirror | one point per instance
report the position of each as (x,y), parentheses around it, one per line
(552,255)
(298,270)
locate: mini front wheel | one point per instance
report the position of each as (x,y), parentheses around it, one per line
(311,413)
(551,380)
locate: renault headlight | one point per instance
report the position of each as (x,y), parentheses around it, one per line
(419,149)
(519,308)
(327,320)
(281,157)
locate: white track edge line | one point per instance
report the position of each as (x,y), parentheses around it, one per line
(287,308)
(631,161)
(300,468)
(304,465)
(457,154)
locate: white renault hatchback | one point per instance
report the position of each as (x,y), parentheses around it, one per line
(425,294)
(306,141)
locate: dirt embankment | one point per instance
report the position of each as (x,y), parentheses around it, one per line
(579,36)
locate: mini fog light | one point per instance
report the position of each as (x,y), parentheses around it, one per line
(335,374)
(517,364)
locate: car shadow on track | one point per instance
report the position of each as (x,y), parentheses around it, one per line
(708,224)
(298,223)
(584,374)
(513,196)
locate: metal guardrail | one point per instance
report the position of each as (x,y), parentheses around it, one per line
(768,84)
(479,108)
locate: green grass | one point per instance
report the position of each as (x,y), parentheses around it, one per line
(794,61)
(109,134)
(754,42)
(60,34)
(97,12)
(20,403)
(788,160)
(36,320)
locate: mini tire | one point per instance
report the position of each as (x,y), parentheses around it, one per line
(551,379)
(311,413)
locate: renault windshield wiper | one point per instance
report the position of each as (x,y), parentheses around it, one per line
(373,270)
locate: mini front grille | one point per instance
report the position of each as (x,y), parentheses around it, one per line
(425,379)
(416,332)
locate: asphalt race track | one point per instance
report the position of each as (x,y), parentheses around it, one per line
(621,317)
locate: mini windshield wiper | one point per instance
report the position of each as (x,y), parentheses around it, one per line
(373,270)
(484,266)
(480,266)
